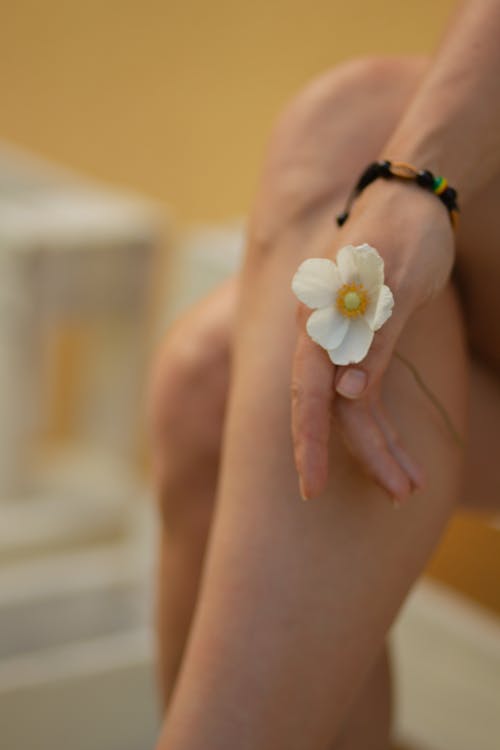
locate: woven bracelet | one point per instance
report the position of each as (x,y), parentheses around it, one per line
(402,171)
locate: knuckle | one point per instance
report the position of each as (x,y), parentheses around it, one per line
(292,183)
(297,392)
(306,394)
(311,414)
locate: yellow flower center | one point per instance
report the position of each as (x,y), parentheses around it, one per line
(352,300)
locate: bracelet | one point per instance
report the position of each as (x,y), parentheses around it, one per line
(402,171)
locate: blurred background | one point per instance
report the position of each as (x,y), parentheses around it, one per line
(131,140)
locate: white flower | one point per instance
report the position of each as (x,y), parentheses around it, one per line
(349,298)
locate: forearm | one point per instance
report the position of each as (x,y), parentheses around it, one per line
(452,125)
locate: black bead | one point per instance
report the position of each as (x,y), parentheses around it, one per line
(449,193)
(448,197)
(385,169)
(425,179)
(342,218)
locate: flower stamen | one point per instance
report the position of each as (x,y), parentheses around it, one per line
(352,300)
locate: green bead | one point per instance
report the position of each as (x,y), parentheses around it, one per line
(437,183)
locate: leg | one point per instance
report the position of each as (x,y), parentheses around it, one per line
(187,402)
(271,663)
(186,462)
(186,477)
(484,388)
(481,486)
(478,271)
(297,598)
(368,722)
(186,453)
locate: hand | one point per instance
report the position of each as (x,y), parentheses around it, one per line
(412,232)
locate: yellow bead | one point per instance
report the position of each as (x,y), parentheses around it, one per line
(443,184)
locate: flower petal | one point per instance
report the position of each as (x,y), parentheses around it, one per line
(327,327)
(382,310)
(355,345)
(347,265)
(316,282)
(361,264)
(370,267)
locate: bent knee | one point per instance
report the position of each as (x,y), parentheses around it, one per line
(326,135)
(364,85)
(188,388)
(186,409)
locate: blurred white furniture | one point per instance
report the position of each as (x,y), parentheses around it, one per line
(76,263)
(76,664)
(77,268)
(447,672)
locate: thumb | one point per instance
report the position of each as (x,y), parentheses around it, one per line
(357,380)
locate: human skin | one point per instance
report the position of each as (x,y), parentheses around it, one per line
(296,598)
(452,126)
(209,709)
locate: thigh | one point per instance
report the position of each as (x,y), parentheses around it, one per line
(331,574)
(478,273)
(186,406)
(351,557)
(346,555)
(478,277)
(346,561)
(481,485)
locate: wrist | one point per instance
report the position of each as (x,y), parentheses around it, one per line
(411,230)
(400,172)
(436,152)
(404,201)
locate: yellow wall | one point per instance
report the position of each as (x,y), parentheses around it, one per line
(175,97)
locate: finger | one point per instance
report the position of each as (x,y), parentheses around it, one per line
(414,471)
(368,445)
(356,381)
(312,392)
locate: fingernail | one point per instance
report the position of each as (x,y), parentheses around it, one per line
(414,471)
(418,479)
(352,383)
(303,492)
(398,490)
